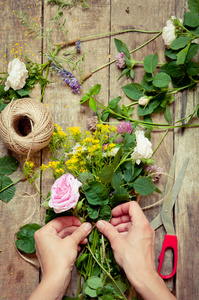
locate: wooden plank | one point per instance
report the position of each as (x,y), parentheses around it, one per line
(59,98)
(186,218)
(17,277)
(154,19)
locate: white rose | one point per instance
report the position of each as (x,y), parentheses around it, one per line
(17,75)
(143,148)
(143,100)
(168,32)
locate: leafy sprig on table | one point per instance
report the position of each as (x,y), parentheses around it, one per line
(8,165)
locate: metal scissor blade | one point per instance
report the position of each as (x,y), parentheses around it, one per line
(166,212)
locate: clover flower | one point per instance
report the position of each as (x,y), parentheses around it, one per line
(124,127)
(68,78)
(92,123)
(155,171)
(120,60)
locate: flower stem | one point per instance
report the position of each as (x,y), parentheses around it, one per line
(115,32)
(109,275)
(160,142)
(110,62)
(10,185)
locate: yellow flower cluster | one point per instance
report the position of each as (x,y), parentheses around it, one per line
(58,131)
(74,131)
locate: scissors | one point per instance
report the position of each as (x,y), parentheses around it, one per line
(165,218)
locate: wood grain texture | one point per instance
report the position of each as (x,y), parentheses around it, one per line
(17,277)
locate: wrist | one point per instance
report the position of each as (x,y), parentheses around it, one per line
(52,287)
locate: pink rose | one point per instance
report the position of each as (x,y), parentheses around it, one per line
(64,193)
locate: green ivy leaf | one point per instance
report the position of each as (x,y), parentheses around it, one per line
(122,47)
(144,186)
(191,19)
(7,185)
(8,165)
(161,80)
(26,241)
(150,63)
(194,6)
(133,90)
(180,42)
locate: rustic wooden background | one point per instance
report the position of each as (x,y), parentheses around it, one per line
(19,278)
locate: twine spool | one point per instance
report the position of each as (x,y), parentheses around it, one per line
(26,126)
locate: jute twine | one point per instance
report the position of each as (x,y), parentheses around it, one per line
(26,126)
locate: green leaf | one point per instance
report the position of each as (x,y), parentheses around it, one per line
(105,213)
(167,115)
(117,158)
(85,176)
(90,292)
(193,50)
(180,42)
(23,93)
(2,106)
(150,63)
(106,174)
(26,241)
(133,90)
(2,91)
(122,47)
(161,80)
(143,111)
(194,6)
(113,103)
(191,19)
(192,68)
(175,70)
(171,53)
(105,115)
(7,185)
(95,89)
(116,180)
(94,282)
(132,73)
(92,212)
(85,98)
(92,104)
(8,165)
(129,141)
(125,72)
(96,193)
(81,258)
(144,186)
(181,56)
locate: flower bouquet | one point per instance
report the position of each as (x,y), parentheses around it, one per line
(94,171)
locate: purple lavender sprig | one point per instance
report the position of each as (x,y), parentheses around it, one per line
(68,78)
(78,46)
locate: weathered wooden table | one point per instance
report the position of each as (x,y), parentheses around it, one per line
(18,278)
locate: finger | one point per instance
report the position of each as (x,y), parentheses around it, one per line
(125,227)
(81,233)
(67,231)
(119,220)
(107,229)
(58,224)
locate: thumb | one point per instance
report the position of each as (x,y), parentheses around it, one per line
(81,233)
(107,229)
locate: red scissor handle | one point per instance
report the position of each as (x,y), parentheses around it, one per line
(170,241)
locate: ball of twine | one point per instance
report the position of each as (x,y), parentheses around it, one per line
(26,126)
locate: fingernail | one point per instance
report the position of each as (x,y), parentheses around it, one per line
(100,225)
(87,227)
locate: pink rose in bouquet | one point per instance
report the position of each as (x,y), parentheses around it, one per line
(64,193)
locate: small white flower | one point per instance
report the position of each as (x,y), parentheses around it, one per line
(17,75)
(111,152)
(143,100)
(77,148)
(168,32)
(143,148)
